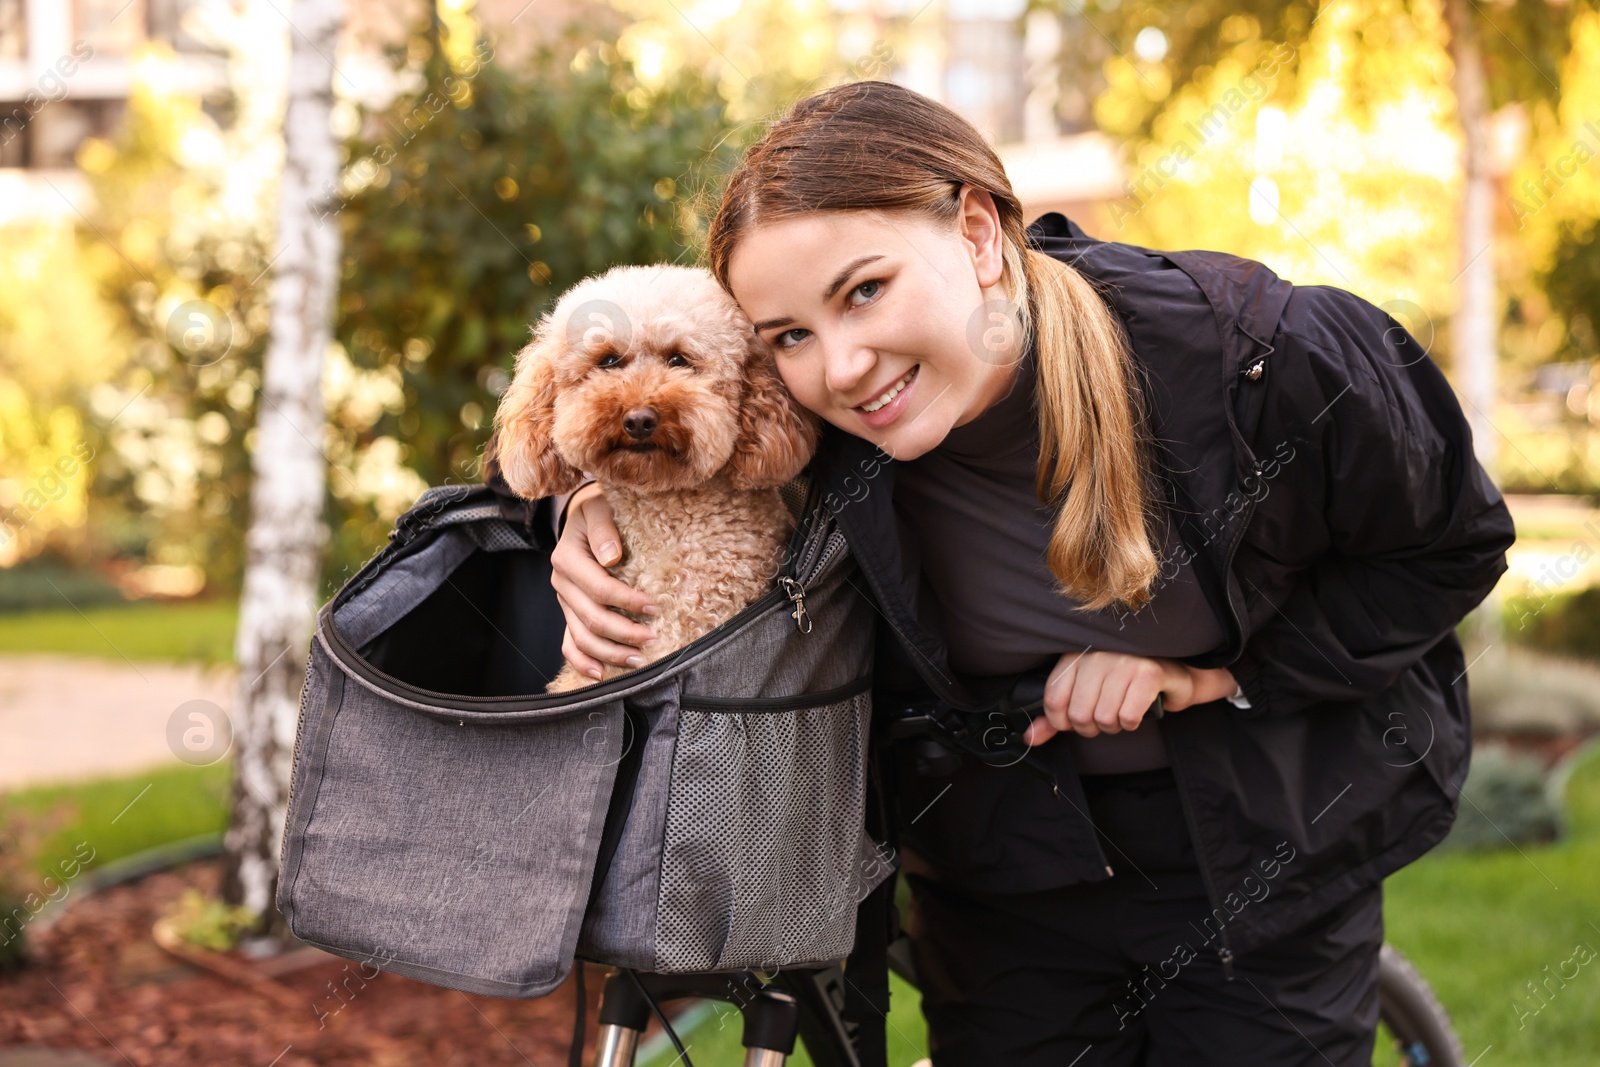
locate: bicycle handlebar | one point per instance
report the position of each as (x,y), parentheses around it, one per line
(993,733)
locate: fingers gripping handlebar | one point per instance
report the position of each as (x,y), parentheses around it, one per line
(992,733)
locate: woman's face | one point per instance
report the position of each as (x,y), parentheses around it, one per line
(861,307)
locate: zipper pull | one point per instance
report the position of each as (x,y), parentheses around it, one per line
(797,596)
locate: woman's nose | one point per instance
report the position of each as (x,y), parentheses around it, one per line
(846,365)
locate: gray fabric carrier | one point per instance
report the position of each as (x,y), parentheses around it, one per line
(454,823)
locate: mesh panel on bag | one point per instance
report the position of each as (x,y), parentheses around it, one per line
(761,850)
(496,536)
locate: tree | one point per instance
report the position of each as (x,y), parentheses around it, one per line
(180,265)
(284,542)
(1501,53)
(470,204)
(1473,323)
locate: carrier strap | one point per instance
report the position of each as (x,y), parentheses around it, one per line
(575,1052)
(866,994)
(624,786)
(866,971)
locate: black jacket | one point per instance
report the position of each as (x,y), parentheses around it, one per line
(1326,493)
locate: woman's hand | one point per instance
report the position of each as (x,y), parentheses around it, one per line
(1094,693)
(587,592)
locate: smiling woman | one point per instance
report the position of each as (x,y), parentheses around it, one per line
(914,275)
(1079,439)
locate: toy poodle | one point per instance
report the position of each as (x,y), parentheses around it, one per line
(651,379)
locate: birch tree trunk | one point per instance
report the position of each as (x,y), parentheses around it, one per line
(1473,326)
(286,536)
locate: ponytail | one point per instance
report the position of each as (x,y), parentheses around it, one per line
(1095,448)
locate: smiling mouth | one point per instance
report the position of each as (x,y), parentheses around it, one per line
(888,395)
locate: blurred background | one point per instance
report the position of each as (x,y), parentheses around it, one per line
(157,213)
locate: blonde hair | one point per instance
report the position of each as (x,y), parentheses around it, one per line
(878,146)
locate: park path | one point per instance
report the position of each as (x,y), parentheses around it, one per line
(65,718)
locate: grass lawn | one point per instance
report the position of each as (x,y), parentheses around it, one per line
(715,1042)
(200,631)
(1479,926)
(120,816)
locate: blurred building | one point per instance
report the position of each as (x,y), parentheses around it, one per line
(66,67)
(1027,80)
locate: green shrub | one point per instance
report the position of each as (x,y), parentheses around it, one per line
(1567,623)
(44,585)
(208,923)
(1505,802)
(462,227)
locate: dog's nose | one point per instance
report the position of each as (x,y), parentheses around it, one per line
(640,423)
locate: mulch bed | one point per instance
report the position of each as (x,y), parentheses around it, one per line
(1551,750)
(99,983)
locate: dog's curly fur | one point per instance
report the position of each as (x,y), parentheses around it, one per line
(652,379)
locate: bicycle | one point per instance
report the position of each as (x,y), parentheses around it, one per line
(808,1004)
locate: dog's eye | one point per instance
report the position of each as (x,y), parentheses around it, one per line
(610,359)
(677,359)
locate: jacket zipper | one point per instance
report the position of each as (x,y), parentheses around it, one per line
(1224,950)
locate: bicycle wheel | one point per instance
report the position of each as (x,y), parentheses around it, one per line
(1418,1024)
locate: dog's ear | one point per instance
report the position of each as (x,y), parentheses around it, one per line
(776,435)
(524,452)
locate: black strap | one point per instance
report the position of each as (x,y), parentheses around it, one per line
(866,971)
(575,1052)
(634,728)
(625,784)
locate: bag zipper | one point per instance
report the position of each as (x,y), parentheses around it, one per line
(815,561)
(796,591)
(294,759)
(350,659)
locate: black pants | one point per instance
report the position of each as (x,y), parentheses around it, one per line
(1084,975)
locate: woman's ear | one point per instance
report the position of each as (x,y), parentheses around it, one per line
(524,452)
(777,436)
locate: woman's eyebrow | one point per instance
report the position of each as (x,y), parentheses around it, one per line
(833,287)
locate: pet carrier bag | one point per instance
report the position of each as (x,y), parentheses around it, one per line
(452,822)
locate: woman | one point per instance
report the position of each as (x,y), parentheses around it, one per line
(1170,474)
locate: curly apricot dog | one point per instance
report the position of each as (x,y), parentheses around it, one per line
(652,380)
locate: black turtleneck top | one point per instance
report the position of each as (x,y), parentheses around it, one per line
(971,524)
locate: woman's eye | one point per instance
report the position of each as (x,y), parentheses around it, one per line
(875,287)
(778,340)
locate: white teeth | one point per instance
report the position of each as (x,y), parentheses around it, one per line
(893,392)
